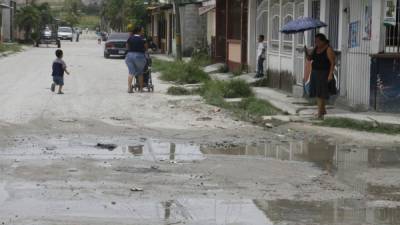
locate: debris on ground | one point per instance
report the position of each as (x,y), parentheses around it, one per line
(136,189)
(217,110)
(269,125)
(109,147)
(117,118)
(68,120)
(206,118)
(51,148)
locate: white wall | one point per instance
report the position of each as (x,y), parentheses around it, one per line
(210,26)
(357,59)
(251,37)
(6,22)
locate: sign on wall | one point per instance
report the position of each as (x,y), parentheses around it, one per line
(367,20)
(354,29)
(390,12)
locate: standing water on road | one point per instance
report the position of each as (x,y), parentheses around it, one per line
(351,165)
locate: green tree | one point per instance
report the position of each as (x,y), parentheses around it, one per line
(71,11)
(119,13)
(28,19)
(31,18)
(45,13)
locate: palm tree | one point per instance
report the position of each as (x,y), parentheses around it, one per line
(28,19)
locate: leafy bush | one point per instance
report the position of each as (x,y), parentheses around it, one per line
(180,72)
(223,69)
(201,59)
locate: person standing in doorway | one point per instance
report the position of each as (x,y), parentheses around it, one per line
(260,57)
(323,65)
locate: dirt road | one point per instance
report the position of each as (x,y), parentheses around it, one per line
(98,155)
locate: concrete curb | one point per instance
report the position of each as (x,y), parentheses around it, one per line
(369,117)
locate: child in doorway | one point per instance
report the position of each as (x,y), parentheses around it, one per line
(59,67)
(260,57)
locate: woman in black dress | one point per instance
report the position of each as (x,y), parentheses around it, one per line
(323,64)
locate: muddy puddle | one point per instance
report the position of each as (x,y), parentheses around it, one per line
(347,164)
(365,171)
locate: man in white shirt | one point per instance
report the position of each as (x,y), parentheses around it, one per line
(260,57)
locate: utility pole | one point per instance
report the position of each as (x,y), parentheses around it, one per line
(178,35)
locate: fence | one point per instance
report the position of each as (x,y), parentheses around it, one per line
(392,34)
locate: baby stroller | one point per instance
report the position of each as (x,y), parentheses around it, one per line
(147,81)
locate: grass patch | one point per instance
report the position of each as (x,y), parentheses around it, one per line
(263,82)
(360,125)
(176,90)
(180,72)
(248,109)
(10,47)
(226,89)
(257,107)
(201,59)
(223,69)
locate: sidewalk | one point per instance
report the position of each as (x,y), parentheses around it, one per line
(301,108)
(294,108)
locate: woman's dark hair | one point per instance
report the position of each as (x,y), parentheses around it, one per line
(137,29)
(322,38)
(59,53)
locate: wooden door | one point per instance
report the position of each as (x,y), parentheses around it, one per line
(220,39)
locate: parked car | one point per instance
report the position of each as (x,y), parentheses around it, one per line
(116,44)
(46,32)
(65,33)
(48,35)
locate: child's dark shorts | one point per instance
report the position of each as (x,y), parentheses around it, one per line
(58,80)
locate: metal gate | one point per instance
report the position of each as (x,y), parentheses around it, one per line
(262,17)
(299,46)
(262,22)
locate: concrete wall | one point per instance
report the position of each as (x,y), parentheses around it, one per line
(6,22)
(194,26)
(210,26)
(251,38)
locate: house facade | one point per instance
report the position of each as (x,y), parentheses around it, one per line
(7,14)
(365,35)
(356,31)
(162,23)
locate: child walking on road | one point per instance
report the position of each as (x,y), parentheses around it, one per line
(59,67)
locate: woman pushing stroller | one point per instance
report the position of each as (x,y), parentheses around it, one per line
(135,58)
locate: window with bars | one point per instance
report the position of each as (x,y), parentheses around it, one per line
(287,14)
(262,17)
(274,23)
(315,13)
(333,24)
(392,39)
(299,12)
